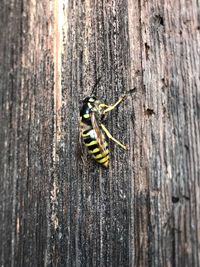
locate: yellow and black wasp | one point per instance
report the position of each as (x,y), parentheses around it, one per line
(92,129)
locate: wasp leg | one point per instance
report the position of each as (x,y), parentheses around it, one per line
(125,147)
(102,105)
(111,107)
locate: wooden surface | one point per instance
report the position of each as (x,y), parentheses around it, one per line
(54,209)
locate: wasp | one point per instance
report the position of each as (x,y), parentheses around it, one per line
(92,130)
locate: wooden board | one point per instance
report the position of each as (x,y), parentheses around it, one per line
(55,209)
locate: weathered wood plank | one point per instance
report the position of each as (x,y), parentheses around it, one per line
(26,132)
(170,60)
(94,203)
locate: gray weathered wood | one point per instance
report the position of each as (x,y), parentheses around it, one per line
(54,209)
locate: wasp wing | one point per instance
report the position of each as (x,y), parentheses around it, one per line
(99,135)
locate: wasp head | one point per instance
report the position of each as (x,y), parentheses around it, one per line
(92,104)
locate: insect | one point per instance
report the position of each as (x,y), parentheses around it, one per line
(93,131)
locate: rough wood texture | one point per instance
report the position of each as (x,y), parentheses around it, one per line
(144,210)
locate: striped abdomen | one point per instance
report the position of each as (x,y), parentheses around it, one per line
(97,147)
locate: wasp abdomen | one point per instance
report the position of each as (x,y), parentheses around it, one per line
(99,152)
(92,135)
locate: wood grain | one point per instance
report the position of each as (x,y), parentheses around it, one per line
(56,210)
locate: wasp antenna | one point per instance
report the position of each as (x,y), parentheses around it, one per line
(131,91)
(95,86)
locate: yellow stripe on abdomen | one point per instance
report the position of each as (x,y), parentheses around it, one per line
(101,155)
(86,116)
(95,150)
(104,159)
(94,142)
